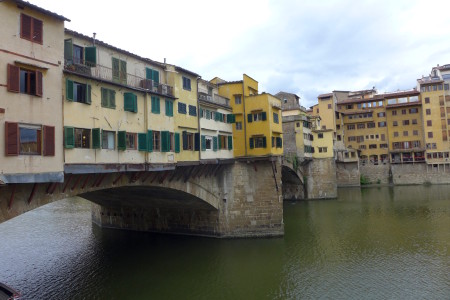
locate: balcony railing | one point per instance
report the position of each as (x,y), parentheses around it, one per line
(108,74)
(214,99)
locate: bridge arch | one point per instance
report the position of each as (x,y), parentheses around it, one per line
(293,183)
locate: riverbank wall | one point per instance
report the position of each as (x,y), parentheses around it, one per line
(347,174)
(320,179)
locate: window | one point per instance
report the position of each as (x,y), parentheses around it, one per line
(361,126)
(381,124)
(156,141)
(371,125)
(428,111)
(186,83)
(258,142)
(275,118)
(29,139)
(74,54)
(82,138)
(78,92)
(223,142)
(405,133)
(208,143)
(24,81)
(181,108)
(108,140)
(130,140)
(352,138)
(430,134)
(351,127)
(172,142)
(259,116)
(413,110)
(415,132)
(169,108)
(414,121)
(338,127)
(320,135)
(394,112)
(156,105)
(429,123)
(237,99)
(317,110)
(26,139)
(373,146)
(349,106)
(108,98)
(130,102)
(427,100)
(381,114)
(119,70)
(329,106)
(238,125)
(322,149)
(394,123)
(395,134)
(78,56)
(383,146)
(298,124)
(405,122)
(188,140)
(153,75)
(192,110)
(31,29)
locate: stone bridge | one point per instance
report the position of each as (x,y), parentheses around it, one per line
(293,177)
(235,198)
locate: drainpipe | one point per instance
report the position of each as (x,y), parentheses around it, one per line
(244,117)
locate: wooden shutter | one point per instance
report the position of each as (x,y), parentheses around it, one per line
(142,142)
(215,143)
(150,141)
(177,142)
(49,141)
(96,138)
(264,142)
(69,89)
(68,51)
(249,118)
(155,105)
(90,56)
(135,106)
(185,140)
(169,108)
(11,138)
(105,96)
(165,141)
(25,27)
(197,141)
(88,94)
(230,142)
(39,88)
(155,77)
(251,143)
(123,71)
(37,31)
(264,116)
(69,137)
(128,104)
(115,69)
(121,140)
(13,81)
(203,143)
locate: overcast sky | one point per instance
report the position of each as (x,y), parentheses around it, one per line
(298,46)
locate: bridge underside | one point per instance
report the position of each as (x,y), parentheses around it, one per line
(293,188)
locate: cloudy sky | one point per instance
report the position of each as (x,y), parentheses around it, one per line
(298,46)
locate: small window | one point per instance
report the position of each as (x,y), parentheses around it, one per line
(156,141)
(192,110)
(405,133)
(30,139)
(181,108)
(238,125)
(108,140)
(155,105)
(260,142)
(108,98)
(82,138)
(428,111)
(186,83)
(31,29)
(119,70)
(24,81)
(130,140)
(130,102)
(405,122)
(169,108)
(430,134)
(394,112)
(237,99)
(427,100)
(298,124)
(394,123)
(403,111)
(429,123)
(275,118)
(329,106)
(208,142)
(320,135)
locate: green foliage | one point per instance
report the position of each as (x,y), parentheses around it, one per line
(364,180)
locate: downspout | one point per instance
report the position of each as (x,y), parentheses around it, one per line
(244,117)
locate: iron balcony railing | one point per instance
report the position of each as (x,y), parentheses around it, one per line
(105,73)
(214,99)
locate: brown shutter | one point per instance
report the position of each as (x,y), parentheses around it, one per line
(37,31)
(25,27)
(13,80)
(39,83)
(49,141)
(11,138)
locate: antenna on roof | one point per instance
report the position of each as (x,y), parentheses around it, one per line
(93,38)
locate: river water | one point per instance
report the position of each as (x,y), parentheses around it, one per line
(373,243)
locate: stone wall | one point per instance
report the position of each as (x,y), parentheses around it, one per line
(420,173)
(321,179)
(347,174)
(375,173)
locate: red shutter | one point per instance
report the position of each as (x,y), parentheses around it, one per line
(13,80)
(25,27)
(49,141)
(37,31)
(11,138)
(39,83)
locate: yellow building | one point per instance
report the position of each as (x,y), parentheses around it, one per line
(216,123)
(118,107)
(184,84)
(31,55)
(258,129)
(323,143)
(435,96)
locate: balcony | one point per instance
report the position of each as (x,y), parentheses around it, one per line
(108,74)
(216,99)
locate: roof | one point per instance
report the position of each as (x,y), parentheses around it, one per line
(429,80)
(182,70)
(230,82)
(148,60)
(325,95)
(403,104)
(444,67)
(40,9)
(412,92)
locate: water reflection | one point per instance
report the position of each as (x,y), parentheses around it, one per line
(369,243)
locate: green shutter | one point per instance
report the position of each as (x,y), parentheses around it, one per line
(148,73)
(155,105)
(68,51)
(203,143)
(264,116)
(69,89)
(69,137)
(197,141)
(155,77)
(121,140)
(165,141)
(177,142)
(249,118)
(264,142)
(123,72)
(90,56)
(215,143)
(112,98)
(129,102)
(150,140)
(216,116)
(230,142)
(208,115)
(105,97)
(200,113)
(220,142)
(96,138)
(251,143)
(169,108)
(88,94)
(185,139)
(142,141)
(115,69)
